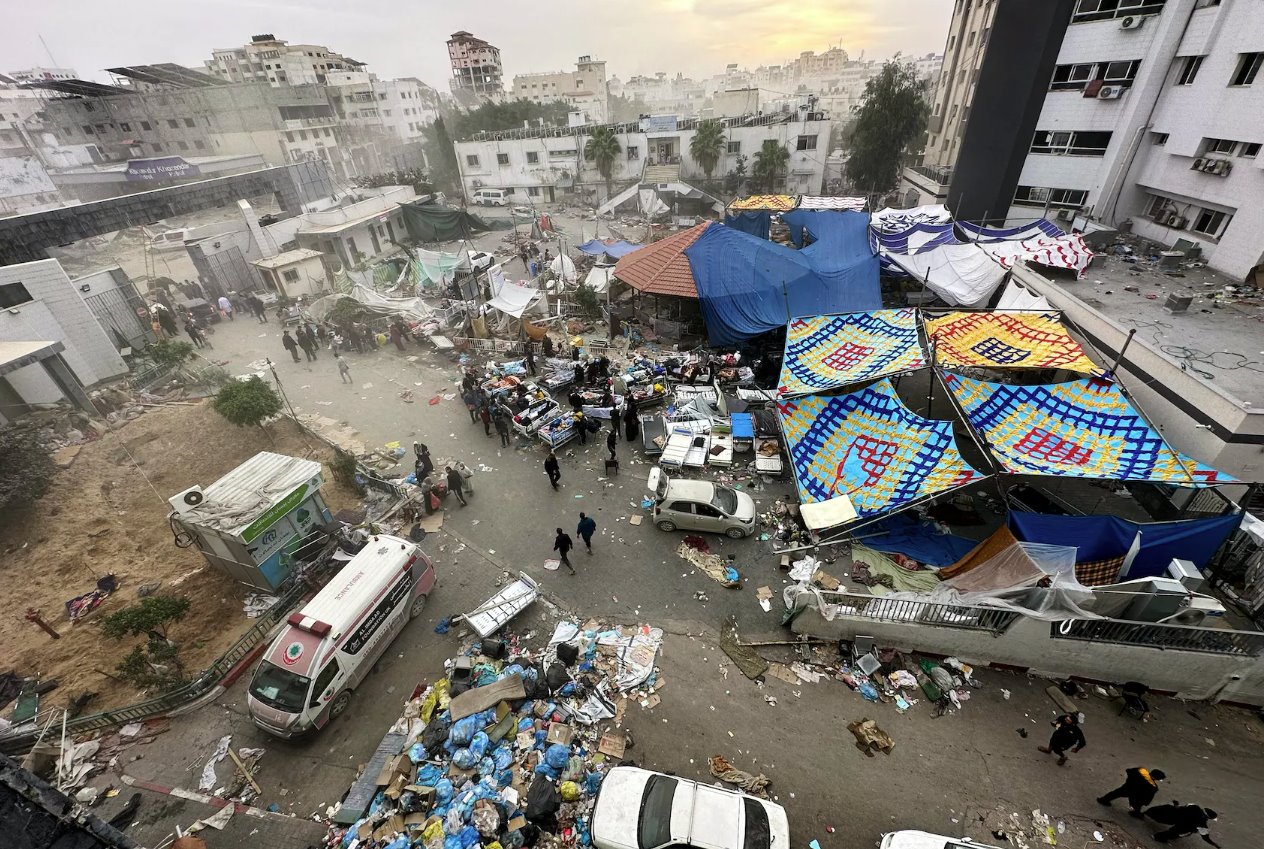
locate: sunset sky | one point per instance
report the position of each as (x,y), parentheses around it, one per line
(698,37)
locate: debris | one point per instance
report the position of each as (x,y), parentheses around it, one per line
(756,785)
(870,739)
(207,783)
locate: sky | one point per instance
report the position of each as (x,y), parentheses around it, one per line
(697,37)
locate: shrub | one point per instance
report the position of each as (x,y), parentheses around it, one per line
(247,402)
(170,352)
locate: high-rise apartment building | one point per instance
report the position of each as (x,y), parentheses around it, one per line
(477,73)
(277,62)
(1105,113)
(582,90)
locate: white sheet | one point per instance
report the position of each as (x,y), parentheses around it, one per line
(1015,297)
(888,220)
(598,278)
(510,298)
(816,202)
(961,275)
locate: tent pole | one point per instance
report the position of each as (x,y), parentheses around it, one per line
(930,392)
(1114,369)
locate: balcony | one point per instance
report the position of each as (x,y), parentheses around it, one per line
(941,174)
(309,123)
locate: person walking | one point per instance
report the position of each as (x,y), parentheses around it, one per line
(581,425)
(344,370)
(397,335)
(586,528)
(485,416)
(1183,820)
(1139,788)
(290,345)
(257,307)
(562,544)
(631,422)
(467,474)
(530,357)
(167,320)
(471,404)
(199,341)
(1066,736)
(226,307)
(456,484)
(552,469)
(423,465)
(307,342)
(502,427)
(612,439)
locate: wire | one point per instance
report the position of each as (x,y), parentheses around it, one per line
(1187,356)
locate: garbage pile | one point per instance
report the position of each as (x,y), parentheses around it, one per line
(510,748)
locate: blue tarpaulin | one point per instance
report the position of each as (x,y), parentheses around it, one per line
(904,533)
(615,248)
(755,223)
(748,286)
(1105,537)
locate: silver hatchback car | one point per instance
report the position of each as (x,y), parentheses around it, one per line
(700,506)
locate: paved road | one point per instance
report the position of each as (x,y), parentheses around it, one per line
(943,775)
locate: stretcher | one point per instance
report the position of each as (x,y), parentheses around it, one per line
(653,434)
(536,414)
(743,430)
(768,455)
(720,454)
(493,614)
(559,431)
(685,450)
(558,380)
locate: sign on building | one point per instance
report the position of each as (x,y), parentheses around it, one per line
(658,124)
(164,168)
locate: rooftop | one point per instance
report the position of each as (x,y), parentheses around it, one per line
(16,354)
(287,258)
(1219,339)
(251,490)
(662,267)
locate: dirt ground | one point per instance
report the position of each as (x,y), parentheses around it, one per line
(107,513)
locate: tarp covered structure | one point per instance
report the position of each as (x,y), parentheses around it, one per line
(1015,297)
(912,240)
(864,453)
(1005,340)
(1038,227)
(1069,252)
(756,223)
(510,298)
(432,222)
(411,308)
(821,202)
(437,267)
(890,220)
(598,278)
(923,540)
(961,275)
(748,286)
(1082,429)
(829,352)
(613,248)
(769,203)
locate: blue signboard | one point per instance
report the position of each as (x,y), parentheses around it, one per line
(163,168)
(658,124)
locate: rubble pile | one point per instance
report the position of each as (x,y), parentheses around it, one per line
(509,748)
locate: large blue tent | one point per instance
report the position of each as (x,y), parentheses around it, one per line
(748,286)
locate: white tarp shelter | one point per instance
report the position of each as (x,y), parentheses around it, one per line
(961,275)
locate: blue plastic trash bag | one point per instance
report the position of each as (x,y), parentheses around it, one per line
(416,753)
(443,791)
(469,837)
(540,737)
(464,759)
(444,625)
(479,744)
(451,842)
(351,833)
(463,730)
(557,755)
(503,757)
(429,775)
(867,690)
(401,842)
(731,574)
(530,677)
(567,689)
(593,783)
(486,766)
(511,669)
(525,724)
(511,840)
(544,769)
(504,777)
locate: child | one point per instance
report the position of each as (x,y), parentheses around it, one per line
(344,370)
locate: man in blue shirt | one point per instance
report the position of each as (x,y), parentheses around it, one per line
(587,527)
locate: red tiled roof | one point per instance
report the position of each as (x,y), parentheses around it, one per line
(662,268)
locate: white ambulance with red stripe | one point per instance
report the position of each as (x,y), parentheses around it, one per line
(324,651)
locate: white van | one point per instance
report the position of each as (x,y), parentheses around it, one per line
(309,671)
(492,197)
(700,506)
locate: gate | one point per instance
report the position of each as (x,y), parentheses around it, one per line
(123,314)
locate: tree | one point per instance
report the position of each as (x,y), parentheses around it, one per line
(152,613)
(442,156)
(603,148)
(770,161)
(247,402)
(733,182)
(170,352)
(490,117)
(891,117)
(157,662)
(25,468)
(707,145)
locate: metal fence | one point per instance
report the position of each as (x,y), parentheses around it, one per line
(1158,636)
(915,612)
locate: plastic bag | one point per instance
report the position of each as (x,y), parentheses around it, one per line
(479,745)
(464,759)
(569,791)
(574,770)
(542,799)
(469,837)
(512,840)
(443,790)
(486,766)
(486,819)
(401,842)
(463,730)
(557,755)
(433,828)
(502,757)
(416,753)
(429,775)
(452,842)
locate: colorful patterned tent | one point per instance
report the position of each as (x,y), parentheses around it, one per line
(769,203)
(1069,252)
(819,202)
(829,352)
(864,454)
(1081,429)
(1005,340)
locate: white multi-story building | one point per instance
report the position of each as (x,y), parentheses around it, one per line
(393,114)
(583,90)
(32,75)
(477,72)
(273,60)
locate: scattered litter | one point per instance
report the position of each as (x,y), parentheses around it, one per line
(256,604)
(208,772)
(870,739)
(756,785)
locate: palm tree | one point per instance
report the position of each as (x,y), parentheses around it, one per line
(603,148)
(707,145)
(770,160)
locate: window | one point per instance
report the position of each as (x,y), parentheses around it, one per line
(1211,222)
(1076,77)
(806,143)
(290,275)
(302,135)
(1068,77)
(199,144)
(1117,73)
(533,157)
(1042,196)
(145,125)
(1104,10)
(533,191)
(654,827)
(183,145)
(326,132)
(125,127)
(1249,149)
(562,154)
(188,122)
(1225,146)
(757,834)
(87,130)
(1158,138)
(173,123)
(1248,67)
(472,160)
(1160,204)
(157,148)
(1081,143)
(13,294)
(289,137)
(502,159)
(1189,70)
(734,147)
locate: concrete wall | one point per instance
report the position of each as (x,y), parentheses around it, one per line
(57,313)
(1027,644)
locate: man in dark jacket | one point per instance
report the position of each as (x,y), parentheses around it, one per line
(503,418)
(552,469)
(1139,788)
(290,345)
(587,527)
(1066,736)
(562,544)
(1183,820)
(612,438)
(456,484)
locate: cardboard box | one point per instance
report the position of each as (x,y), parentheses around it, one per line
(560,733)
(518,822)
(612,745)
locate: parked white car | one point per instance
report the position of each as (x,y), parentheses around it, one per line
(480,261)
(640,809)
(926,840)
(700,506)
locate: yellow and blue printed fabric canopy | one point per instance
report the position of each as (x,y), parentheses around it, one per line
(1005,340)
(1082,429)
(767,203)
(828,352)
(867,454)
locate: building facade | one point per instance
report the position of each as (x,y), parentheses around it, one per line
(1141,113)
(277,62)
(583,90)
(32,75)
(477,72)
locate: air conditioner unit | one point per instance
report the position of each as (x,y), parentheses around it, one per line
(1222,167)
(1177,222)
(1132,22)
(1162,216)
(1198,164)
(187,500)
(1110,92)
(1065,214)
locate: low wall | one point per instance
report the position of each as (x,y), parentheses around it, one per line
(1027,644)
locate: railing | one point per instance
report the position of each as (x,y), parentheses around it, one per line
(941,174)
(1159,636)
(917,612)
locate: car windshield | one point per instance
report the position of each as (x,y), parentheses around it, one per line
(725,500)
(654,827)
(280,688)
(756,833)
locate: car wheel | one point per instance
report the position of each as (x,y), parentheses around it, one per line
(735,533)
(666,525)
(339,704)
(419,604)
